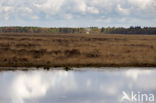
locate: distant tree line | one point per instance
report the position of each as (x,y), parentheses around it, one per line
(131,30)
(105,30)
(40,30)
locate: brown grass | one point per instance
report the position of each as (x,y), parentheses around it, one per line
(77,50)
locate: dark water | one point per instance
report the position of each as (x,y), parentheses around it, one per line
(79,86)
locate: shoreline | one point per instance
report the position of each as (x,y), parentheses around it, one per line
(24,68)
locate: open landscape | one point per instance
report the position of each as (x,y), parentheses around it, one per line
(76,50)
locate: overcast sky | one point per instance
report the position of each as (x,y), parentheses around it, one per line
(77,13)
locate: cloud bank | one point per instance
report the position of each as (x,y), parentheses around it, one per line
(78,12)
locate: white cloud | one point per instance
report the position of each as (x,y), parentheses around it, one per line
(144,10)
(68,16)
(35,17)
(93,10)
(49,6)
(142,3)
(6,11)
(25,10)
(122,10)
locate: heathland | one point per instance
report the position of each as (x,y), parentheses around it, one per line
(76,50)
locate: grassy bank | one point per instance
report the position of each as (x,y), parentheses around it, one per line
(77,50)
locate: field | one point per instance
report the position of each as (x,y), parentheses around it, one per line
(77,50)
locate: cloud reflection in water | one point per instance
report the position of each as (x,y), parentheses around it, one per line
(60,86)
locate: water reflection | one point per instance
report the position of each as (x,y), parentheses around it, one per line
(87,86)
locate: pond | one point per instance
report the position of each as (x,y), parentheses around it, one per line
(107,85)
